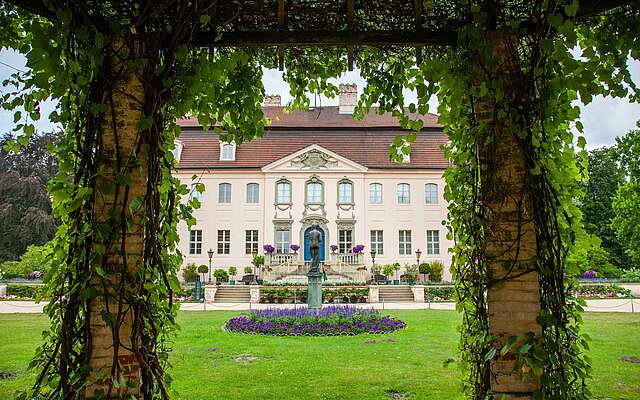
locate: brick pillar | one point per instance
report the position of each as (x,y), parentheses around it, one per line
(513,295)
(120,153)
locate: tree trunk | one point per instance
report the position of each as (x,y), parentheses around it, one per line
(123,160)
(510,250)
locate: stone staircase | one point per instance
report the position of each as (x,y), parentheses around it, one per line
(396,293)
(233,294)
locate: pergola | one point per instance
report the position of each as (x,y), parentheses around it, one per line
(508,198)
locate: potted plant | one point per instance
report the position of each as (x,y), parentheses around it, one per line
(295,248)
(248,272)
(203,269)
(424,269)
(232,274)
(220,275)
(396,268)
(411,274)
(388,271)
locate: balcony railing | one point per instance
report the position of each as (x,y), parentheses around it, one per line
(348,258)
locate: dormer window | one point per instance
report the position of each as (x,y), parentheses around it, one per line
(227,151)
(177,150)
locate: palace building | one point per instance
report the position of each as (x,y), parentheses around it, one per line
(316,167)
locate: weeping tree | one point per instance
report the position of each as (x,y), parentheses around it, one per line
(505,78)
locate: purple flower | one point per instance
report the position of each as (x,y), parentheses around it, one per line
(357,249)
(295,248)
(334,248)
(268,248)
(590,274)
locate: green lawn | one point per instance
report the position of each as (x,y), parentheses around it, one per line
(333,368)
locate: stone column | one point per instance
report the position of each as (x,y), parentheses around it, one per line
(418,293)
(374,294)
(314,290)
(121,152)
(254,292)
(511,253)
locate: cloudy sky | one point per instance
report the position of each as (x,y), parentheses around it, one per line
(603,119)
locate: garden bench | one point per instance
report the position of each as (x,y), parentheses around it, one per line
(379,279)
(248,279)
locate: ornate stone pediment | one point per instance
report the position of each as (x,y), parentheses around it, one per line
(314,159)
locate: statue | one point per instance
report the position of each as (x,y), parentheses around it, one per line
(314,248)
(314,287)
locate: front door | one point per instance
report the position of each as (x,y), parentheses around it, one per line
(307,252)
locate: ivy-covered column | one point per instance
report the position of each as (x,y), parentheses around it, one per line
(118,245)
(510,236)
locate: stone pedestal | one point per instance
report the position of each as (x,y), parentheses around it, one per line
(254,292)
(418,293)
(210,293)
(3,291)
(314,291)
(374,294)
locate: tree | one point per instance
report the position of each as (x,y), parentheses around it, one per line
(604,178)
(626,203)
(25,205)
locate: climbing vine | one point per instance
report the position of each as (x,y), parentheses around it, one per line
(104,62)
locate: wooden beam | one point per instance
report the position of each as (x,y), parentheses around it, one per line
(326,39)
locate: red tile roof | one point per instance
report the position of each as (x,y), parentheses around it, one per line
(365,142)
(328,117)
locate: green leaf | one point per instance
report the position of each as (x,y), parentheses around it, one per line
(572,8)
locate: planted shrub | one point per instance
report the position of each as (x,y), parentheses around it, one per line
(437,267)
(190,273)
(248,270)
(327,321)
(233,271)
(436,294)
(602,292)
(26,292)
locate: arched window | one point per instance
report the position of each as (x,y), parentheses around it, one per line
(404,196)
(283,192)
(431,193)
(314,191)
(227,151)
(375,193)
(253,193)
(345,192)
(224,193)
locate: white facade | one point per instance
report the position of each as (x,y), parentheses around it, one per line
(235,212)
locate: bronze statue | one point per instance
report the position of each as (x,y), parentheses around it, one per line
(314,248)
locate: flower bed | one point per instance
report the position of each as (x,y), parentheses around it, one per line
(602,292)
(327,321)
(436,294)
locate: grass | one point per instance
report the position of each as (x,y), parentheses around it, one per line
(332,368)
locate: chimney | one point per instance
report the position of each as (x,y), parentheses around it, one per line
(348,98)
(272,100)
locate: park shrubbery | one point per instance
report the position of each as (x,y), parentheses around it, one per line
(602,292)
(299,294)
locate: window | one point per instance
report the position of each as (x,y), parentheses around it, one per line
(345,192)
(433,243)
(314,192)
(376,242)
(345,240)
(404,193)
(283,192)
(431,193)
(253,193)
(405,243)
(224,241)
(375,193)
(283,240)
(227,152)
(251,241)
(224,193)
(195,194)
(195,242)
